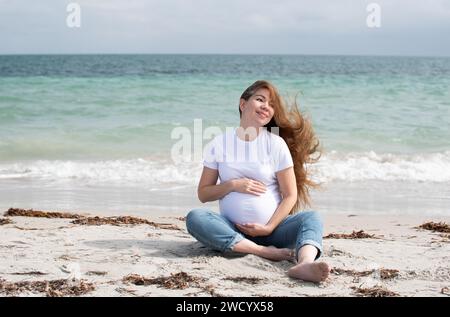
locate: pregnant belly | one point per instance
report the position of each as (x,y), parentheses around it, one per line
(246,208)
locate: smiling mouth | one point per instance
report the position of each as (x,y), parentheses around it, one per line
(262,115)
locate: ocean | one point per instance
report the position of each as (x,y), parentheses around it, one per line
(95,132)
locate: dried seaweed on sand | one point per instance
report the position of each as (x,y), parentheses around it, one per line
(53,288)
(384,273)
(339,271)
(179,280)
(98,273)
(244,279)
(5,221)
(435,226)
(445,291)
(354,235)
(29,273)
(122,220)
(91,221)
(388,273)
(14,212)
(376,291)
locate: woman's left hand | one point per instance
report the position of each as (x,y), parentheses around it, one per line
(254,229)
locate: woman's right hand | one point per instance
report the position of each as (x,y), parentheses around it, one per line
(248,186)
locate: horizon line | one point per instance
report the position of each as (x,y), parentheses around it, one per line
(227,54)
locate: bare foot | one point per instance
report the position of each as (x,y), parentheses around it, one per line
(313,272)
(276,254)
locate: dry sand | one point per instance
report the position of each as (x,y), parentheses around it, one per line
(56,257)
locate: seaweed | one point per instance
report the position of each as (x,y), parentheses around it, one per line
(435,226)
(244,279)
(445,291)
(179,280)
(53,288)
(354,235)
(122,220)
(339,271)
(384,273)
(376,291)
(98,273)
(29,273)
(5,221)
(388,273)
(14,212)
(90,221)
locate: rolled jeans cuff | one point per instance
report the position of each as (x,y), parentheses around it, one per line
(313,243)
(236,239)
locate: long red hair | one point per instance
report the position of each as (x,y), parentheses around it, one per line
(298,133)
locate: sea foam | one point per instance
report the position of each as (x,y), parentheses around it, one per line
(363,166)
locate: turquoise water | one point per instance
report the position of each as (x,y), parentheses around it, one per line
(90,109)
(93,132)
(62,107)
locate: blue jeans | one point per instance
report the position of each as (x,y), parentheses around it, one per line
(218,233)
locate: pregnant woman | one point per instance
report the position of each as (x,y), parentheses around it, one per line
(263,183)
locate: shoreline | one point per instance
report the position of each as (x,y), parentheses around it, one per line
(149,260)
(336,198)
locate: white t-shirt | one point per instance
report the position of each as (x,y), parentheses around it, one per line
(260,160)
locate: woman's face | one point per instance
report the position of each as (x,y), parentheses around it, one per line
(257,110)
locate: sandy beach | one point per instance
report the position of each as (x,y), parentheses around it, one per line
(111,110)
(127,256)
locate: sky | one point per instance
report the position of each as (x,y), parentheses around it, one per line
(330,27)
